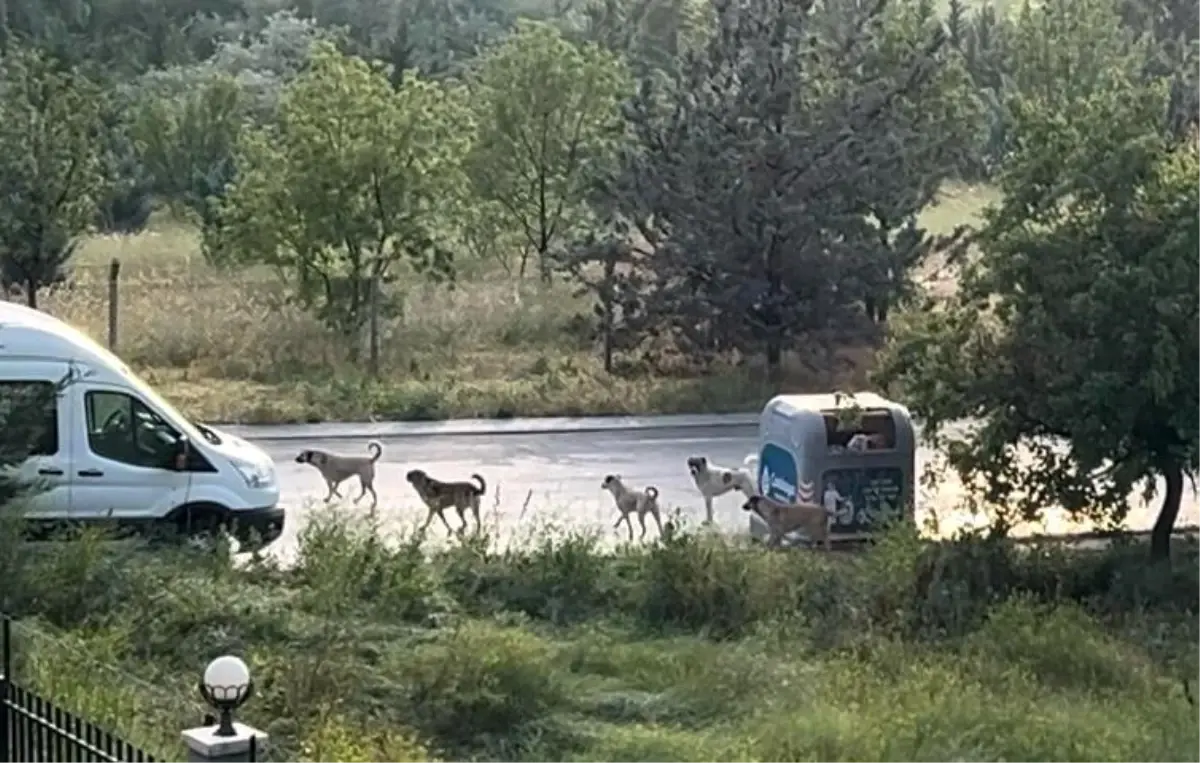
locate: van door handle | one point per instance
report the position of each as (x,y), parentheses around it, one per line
(91,473)
(50,472)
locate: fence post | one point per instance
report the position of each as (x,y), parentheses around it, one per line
(114,274)
(5,709)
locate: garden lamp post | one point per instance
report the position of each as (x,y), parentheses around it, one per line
(225,687)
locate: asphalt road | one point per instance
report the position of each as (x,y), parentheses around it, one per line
(552,479)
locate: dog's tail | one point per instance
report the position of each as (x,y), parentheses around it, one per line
(482,485)
(751,462)
(376,449)
(652,492)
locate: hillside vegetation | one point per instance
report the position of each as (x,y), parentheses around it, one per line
(400,211)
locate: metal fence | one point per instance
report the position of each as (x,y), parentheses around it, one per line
(32,728)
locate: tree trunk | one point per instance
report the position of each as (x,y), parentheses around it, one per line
(774,354)
(3,27)
(608,339)
(31,287)
(606,304)
(1160,536)
(373,327)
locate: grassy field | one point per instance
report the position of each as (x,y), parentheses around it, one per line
(230,347)
(374,648)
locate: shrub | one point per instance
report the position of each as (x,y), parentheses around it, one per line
(370,647)
(713,586)
(561,580)
(476,683)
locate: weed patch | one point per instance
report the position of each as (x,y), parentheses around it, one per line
(376,647)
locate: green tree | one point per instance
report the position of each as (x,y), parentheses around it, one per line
(1075,328)
(186,144)
(52,167)
(548,111)
(778,174)
(354,179)
(1064,51)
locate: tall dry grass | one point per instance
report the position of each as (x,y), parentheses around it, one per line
(185,314)
(231,346)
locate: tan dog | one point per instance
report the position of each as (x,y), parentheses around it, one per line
(783,518)
(641,502)
(337,468)
(439,496)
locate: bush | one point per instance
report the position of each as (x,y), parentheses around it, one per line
(476,683)
(561,580)
(713,586)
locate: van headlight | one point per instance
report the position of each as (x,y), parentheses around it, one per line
(257,476)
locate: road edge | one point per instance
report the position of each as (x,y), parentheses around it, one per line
(381,430)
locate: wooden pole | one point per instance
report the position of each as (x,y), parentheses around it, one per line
(114,277)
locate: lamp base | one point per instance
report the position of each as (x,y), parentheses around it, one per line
(203,744)
(225,726)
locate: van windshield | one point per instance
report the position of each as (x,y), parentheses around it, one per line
(164,408)
(106,357)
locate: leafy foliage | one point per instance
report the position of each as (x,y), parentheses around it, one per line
(354,179)
(186,144)
(754,174)
(1078,319)
(548,115)
(51,167)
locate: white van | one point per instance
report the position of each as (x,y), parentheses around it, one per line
(113,450)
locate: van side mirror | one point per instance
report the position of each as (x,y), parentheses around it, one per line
(182,450)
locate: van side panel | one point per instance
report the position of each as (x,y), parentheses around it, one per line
(114,480)
(49,464)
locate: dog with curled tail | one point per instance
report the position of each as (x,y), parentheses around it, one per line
(629,501)
(336,468)
(438,496)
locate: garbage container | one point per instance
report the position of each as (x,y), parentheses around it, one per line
(854,454)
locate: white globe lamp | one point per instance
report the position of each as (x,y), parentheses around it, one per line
(225,687)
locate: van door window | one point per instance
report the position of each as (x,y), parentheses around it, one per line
(121,428)
(30,411)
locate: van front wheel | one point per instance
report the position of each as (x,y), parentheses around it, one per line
(201,520)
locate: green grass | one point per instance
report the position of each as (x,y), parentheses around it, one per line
(232,347)
(700,648)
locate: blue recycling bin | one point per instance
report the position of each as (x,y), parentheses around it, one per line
(808,451)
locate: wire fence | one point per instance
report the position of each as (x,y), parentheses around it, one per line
(251,323)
